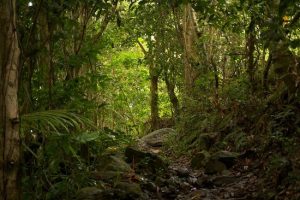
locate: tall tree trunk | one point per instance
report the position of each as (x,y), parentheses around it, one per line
(154,99)
(284,62)
(46,58)
(154,77)
(250,48)
(266,74)
(9,117)
(172,96)
(190,52)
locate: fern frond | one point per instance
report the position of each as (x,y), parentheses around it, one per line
(55,121)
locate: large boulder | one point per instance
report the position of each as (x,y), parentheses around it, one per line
(203,141)
(226,157)
(214,167)
(89,193)
(121,191)
(220,161)
(157,138)
(116,176)
(200,159)
(110,168)
(145,161)
(215,163)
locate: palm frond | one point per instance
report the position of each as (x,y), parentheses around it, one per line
(55,121)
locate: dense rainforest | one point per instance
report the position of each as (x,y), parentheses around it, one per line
(149,99)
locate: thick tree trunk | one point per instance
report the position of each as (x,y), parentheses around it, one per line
(172,96)
(9,117)
(190,52)
(284,62)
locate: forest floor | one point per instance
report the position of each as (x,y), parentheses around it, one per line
(149,170)
(238,182)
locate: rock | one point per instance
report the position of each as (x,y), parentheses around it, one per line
(223,180)
(226,157)
(89,193)
(204,141)
(133,190)
(195,195)
(159,181)
(249,154)
(180,171)
(148,185)
(214,166)
(158,137)
(145,161)
(192,180)
(111,168)
(174,181)
(120,191)
(218,162)
(200,159)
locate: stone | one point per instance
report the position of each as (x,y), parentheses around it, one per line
(223,180)
(158,138)
(214,166)
(120,191)
(226,157)
(111,168)
(132,190)
(148,185)
(200,159)
(159,181)
(182,172)
(89,193)
(144,160)
(174,181)
(192,180)
(204,141)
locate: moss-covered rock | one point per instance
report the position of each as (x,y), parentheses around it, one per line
(214,166)
(145,160)
(111,169)
(226,157)
(203,141)
(200,159)
(158,138)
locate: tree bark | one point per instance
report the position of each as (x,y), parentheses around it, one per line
(190,53)
(172,96)
(154,77)
(284,62)
(250,48)
(154,99)
(266,74)
(46,58)
(9,116)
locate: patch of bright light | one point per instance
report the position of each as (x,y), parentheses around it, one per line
(30,4)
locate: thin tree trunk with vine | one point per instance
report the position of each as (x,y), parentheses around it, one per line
(266,74)
(172,96)
(154,77)
(9,116)
(46,58)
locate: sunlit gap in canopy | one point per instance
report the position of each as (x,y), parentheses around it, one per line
(30,4)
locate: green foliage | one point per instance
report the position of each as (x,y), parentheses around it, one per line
(56,121)
(84,56)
